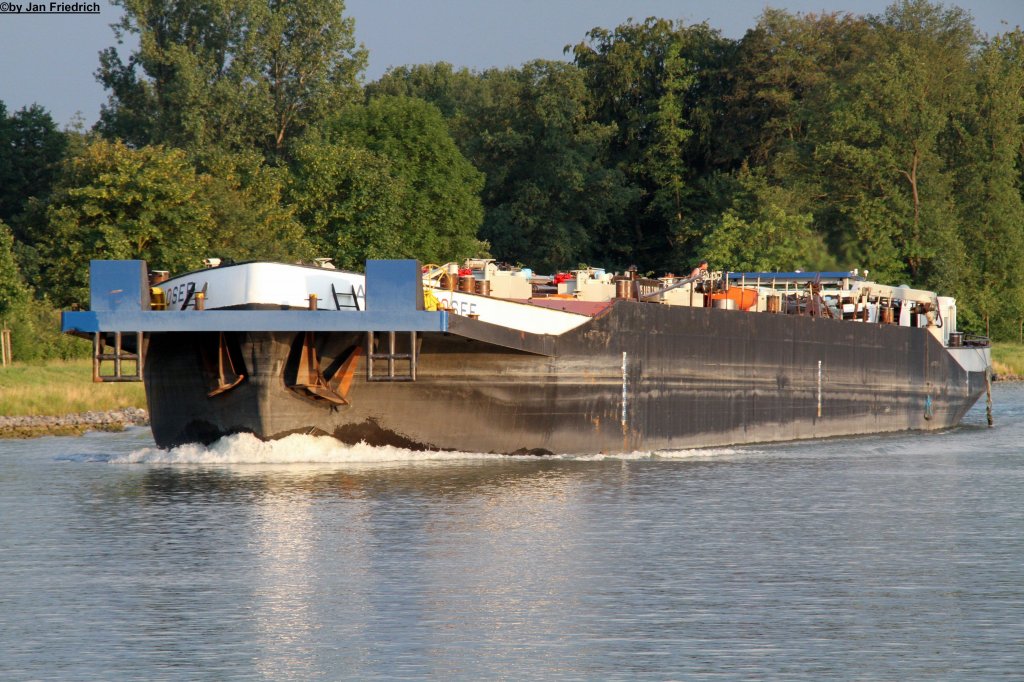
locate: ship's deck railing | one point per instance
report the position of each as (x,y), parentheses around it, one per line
(829,294)
(794,277)
(976,341)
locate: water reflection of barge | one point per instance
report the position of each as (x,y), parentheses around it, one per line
(474,361)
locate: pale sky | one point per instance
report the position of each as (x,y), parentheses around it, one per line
(51,59)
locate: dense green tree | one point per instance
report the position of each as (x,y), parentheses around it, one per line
(13,290)
(238,129)
(780,76)
(440,206)
(760,233)
(457,93)
(985,158)
(351,202)
(247,204)
(777,109)
(34,324)
(655,83)
(116,202)
(883,152)
(549,194)
(240,74)
(31,149)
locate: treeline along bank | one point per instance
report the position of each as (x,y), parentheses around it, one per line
(245,129)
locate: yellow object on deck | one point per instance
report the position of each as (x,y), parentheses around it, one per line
(430,301)
(156,299)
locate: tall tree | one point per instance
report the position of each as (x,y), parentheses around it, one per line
(549,195)
(240,74)
(778,105)
(247,202)
(457,93)
(985,156)
(351,202)
(13,290)
(116,202)
(653,82)
(441,205)
(781,74)
(31,149)
(890,122)
(760,232)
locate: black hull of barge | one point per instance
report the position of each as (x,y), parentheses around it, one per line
(639,377)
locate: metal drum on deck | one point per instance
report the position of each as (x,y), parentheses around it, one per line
(467,284)
(956,339)
(623,288)
(773,304)
(483,287)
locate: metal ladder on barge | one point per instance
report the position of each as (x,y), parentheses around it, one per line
(391,356)
(119,357)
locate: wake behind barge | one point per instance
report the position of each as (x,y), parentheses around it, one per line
(476,360)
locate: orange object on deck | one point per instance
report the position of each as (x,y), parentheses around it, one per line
(745,298)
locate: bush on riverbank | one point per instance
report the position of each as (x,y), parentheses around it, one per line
(33,321)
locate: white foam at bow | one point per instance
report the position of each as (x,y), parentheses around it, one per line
(245,448)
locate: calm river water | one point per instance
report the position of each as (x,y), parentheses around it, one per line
(878,558)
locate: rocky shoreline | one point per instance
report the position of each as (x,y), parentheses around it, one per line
(72,424)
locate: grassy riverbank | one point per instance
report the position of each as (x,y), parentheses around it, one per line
(1008,359)
(61,387)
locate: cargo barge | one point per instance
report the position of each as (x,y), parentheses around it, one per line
(479,359)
